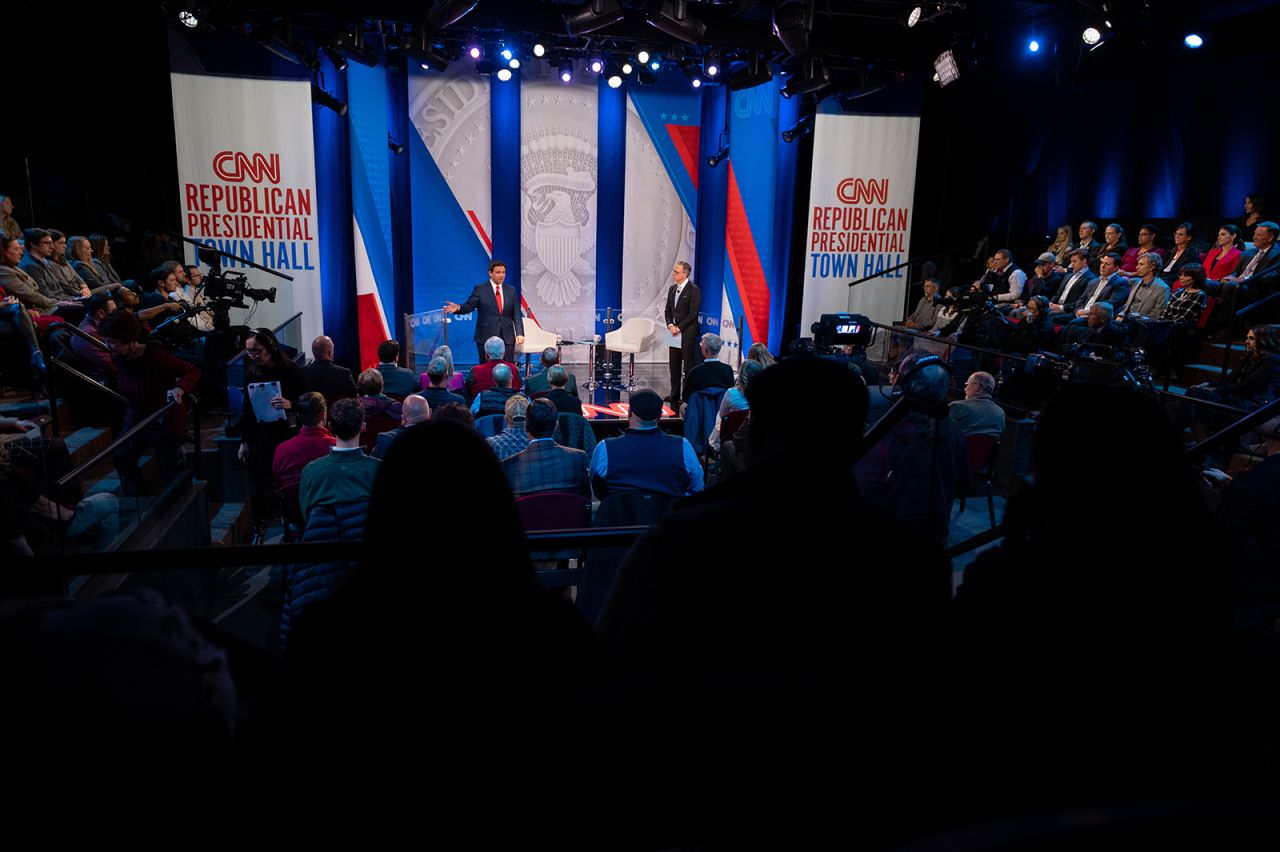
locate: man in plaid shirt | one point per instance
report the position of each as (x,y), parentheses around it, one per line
(514,438)
(545,465)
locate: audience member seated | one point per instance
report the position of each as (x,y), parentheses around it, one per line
(191,294)
(735,399)
(1184,252)
(345,475)
(87,269)
(375,402)
(23,361)
(916,471)
(1110,286)
(1259,273)
(18,284)
(1045,280)
(437,375)
(1249,386)
(544,465)
(1254,212)
(160,283)
(1099,330)
(493,400)
(1074,285)
(1089,243)
(1184,310)
(395,379)
(322,375)
(36,263)
(481,379)
(415,410)
(148,377)
(1006,282)
(1035,332)
(312,442)
(539,384)
(1060,247)
(1224,258)
(96,308)
(9,226)
(559,395)
(454,413)
(1114,241)
(643,458)
(706,589)
(1104,593)
(514,438)
(978,413)
(711,373)
(761,355)
(926,310)
(1148,295)
(456,381)
(1146,245)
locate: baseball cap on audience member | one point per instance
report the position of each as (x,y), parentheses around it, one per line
(1047,257)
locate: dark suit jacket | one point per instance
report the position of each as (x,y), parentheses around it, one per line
(332,380)
(398,380)
(1267,275)
(547,466)
(439,398)
(1082,287)
(489,323)
(708,374)
(44,277)
(1046,287)
(685,314)
(1191,255)
(1116,292)
(538,385)
(565,402)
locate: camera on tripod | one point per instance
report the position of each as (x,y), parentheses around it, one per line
(833,330)
(232,288)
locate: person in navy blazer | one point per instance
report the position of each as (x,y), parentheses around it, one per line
(494,321)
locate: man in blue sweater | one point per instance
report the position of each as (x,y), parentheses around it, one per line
(644,458)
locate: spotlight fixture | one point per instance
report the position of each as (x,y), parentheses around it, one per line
(754,73)
(324,99)
(474,50)
(189,18)
(277,37)
(672,17)
(643,57)
(566,70)
(539,50)
(791,27)
(353,46)
(655,65)
(596,64)
(1091,36)
(614,81)
(419,48)
(913,17)
(803,127)
(718,157)
(1193,41)
(922,14)
(627,68)
(395,146)
(812,78)
(504,74)
(339,61)
(506,54)
(696,82)
(946,69)
(593,15)
(448,12)
(711,63)
(514,63)
(1033,46)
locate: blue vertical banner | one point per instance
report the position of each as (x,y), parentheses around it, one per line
(371,206)
(713,199)
(332,139)
(504,151)
(612,180)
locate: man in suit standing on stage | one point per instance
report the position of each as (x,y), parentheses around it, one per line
(499,312)
(684,300)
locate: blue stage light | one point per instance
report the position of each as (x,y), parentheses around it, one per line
(1033,46)
(507,54)
(1193,41)
(655,65)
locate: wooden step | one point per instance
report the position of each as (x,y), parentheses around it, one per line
(1212,353)
(231,524)
(28,408)
(1194,374)
(84,443)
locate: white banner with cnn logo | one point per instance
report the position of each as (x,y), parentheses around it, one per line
(860,198)
(247,185)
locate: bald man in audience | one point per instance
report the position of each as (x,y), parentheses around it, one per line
(494,400)
(978,413)
(415,410)
(331,380)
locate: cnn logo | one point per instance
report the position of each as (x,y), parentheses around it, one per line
(859,191)
(237,167)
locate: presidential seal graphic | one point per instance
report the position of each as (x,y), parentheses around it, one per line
(558,180)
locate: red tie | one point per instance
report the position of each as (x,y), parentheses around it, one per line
(497,294)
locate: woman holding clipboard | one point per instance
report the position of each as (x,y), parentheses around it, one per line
(265,363)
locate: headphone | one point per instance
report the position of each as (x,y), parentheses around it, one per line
(916,366)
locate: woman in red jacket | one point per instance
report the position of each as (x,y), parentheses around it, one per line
(1224,257)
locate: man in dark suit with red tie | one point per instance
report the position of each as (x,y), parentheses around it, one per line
(499,308)
(684,300)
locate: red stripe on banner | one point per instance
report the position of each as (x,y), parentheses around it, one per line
(753,287)
(616,409)
(685,137)
(484,238)
(372,328)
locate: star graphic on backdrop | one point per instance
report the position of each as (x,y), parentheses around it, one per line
(664,116)
(685,116)
(471,137)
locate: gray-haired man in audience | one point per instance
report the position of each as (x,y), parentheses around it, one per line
(978,413)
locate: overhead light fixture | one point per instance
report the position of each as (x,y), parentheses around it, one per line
(324,99)
(539,50)
(1091,36)
(566,70)
(504,74)
(615,81)
(718,157)
(655,65)
(514,63)
(446,13)
(1033,46)
(711,63)
(592,16)
(474,49)
(813,77)
(277,37)
(627,68)
(419,48)
(791,27)
(395,146)
(353,46)
(506,54)
(596,65)
(755,73)
(672,17)
(189,18)
(913,17)
(643,57)
(946,69)
(802,127)
(1193,41)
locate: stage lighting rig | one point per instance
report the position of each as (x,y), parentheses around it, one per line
(813,77)
(719,156)
(803,127)
(339,61)
(277,37)
(592,16)
(711,64)
(566,70)
(791,25)
(353,46)
(420,49)
(396,147)
(923,14)
(945,68)
(320,96)
(446,13)
(672,17)
(755,72)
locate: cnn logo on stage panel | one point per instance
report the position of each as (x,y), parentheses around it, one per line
(238,167)
(859,191)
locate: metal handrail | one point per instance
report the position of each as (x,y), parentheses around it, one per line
(897,329)
(128,562)
(1234,430)
(983,538)
(78,332)
(110,448)
(1221,406)
(86,379)
(239,356)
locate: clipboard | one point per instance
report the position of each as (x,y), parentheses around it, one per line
(260,396)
